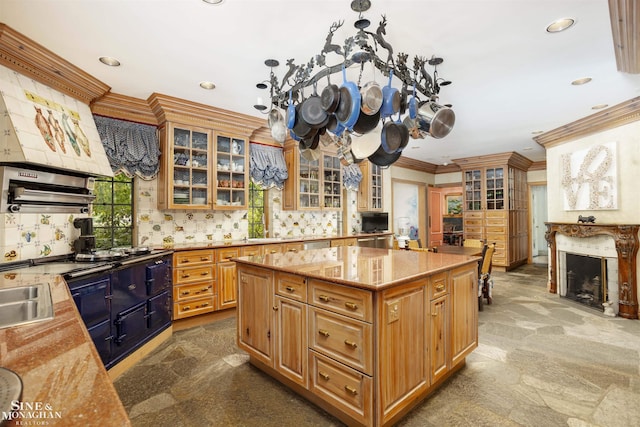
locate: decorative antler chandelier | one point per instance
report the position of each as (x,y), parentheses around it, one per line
(353,109)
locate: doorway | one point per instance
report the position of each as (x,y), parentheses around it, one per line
(538,248)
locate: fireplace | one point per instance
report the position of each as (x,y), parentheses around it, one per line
(594,263)
(586,280)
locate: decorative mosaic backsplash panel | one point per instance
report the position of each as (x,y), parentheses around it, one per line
(26,236)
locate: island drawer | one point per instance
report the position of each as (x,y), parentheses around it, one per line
(195,274)
(188,258)
(342,338)
(352,302)
(228,253)
(291,286)
(182,292)
(194,307)
(342,387)
(438,285)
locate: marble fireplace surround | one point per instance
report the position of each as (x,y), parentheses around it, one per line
(626,242)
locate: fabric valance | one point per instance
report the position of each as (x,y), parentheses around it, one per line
(267,166)
(132,148)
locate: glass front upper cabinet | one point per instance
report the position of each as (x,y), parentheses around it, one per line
(231,172)
(494,178)
(473,189)
(309,183)
(190,168)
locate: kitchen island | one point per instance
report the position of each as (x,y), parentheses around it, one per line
(364,333)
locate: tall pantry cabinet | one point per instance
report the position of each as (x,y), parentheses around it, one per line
(495,205)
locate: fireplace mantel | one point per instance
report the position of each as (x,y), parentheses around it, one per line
(625,237)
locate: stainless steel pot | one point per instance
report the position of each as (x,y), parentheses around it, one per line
(435,119)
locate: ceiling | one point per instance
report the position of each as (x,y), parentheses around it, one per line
(510,77)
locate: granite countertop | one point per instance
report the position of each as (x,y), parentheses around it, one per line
(60,369)
(266,241)
(366,268)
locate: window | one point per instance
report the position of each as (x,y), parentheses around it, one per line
(113,212)
(256,214)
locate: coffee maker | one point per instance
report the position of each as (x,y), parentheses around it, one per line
(86,243)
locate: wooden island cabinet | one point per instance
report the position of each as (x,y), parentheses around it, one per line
(365,349)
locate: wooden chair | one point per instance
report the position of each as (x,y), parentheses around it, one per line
(485,282)
(415,244)
(473,243)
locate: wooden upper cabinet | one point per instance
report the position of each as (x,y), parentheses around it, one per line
(370,189)
(205,154)
(184,177)
(495,205)
(313,183)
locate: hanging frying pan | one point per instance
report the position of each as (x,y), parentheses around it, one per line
(301,128)
(291,113)
(391,137)
(365,145)
(371,95)
(330,97)
(350,99)
(366,123)
(390,99)
(382,158)
(312,112)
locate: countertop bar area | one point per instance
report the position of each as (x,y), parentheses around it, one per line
(364,333)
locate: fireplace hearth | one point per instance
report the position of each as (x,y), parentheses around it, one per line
(625,238)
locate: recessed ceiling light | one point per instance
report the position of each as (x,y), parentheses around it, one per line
(207,85)
(537,132)
(213,1)
(581,81)
(527,149)
(599,106)
(560,25)
(108,60)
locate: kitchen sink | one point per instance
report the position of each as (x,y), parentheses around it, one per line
(24,305)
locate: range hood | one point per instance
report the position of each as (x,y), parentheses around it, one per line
(42,127)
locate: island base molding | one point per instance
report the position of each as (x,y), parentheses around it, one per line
(345,418)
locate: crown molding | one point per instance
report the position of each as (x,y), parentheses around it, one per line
(618,115)
(33,60)
(125,108)
(418,165)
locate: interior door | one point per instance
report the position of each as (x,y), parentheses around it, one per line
(434,226)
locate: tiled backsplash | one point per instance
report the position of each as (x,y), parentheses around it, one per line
(26,236)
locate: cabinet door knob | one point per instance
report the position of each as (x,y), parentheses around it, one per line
(323,332)
(275,308)
(440,287)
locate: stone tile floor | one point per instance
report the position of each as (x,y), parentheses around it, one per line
(541,361)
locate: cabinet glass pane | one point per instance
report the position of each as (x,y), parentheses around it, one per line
(190,167)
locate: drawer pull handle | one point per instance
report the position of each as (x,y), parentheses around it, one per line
(440,287)
(351,343)
(204,304)
(185,292)
(323,332)
(351,305)
(204,273)
(351,390)
(186,307)
(184,276)
(323,375)
(323,298)
(184,261)
(273,251)
(290,289)
(204,259)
